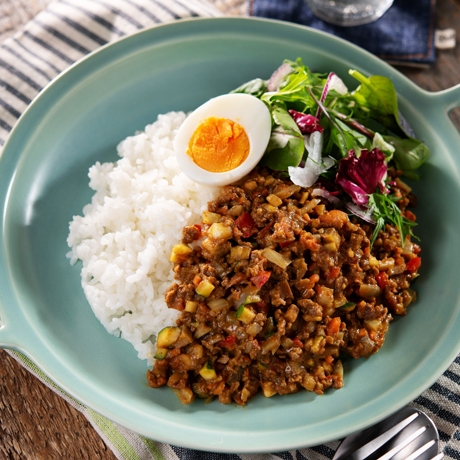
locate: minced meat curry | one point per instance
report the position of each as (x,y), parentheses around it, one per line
(276,286)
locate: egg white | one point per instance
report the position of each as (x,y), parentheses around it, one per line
(246,110)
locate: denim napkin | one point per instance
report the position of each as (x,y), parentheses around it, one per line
(403,35)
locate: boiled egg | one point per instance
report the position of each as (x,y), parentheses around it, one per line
(223,139)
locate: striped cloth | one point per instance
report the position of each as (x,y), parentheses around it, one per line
(63,33)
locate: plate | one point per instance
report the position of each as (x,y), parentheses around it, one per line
(80,118)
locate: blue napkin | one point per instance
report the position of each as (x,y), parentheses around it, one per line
(403,35)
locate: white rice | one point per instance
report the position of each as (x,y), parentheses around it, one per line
(125,236)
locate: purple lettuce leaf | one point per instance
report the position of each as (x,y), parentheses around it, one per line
(361,176)
(307,123)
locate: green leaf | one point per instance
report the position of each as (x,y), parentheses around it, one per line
(386,211)
(282,118)
(345,138)
(409,153)
(255,87)
(376,92)
(284,150)
(379,142)
(294,90)
(356,136)
(378,97)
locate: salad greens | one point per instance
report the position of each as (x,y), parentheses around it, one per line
(320,128)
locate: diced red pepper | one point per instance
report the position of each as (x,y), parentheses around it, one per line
(309,242)
(333,273)
(414,264)
(285,244)
(198,235)
(297,342)
(261,278)
(265,231)
(410,215)
(229,342)
(246,224)
(382,280)
(333,326)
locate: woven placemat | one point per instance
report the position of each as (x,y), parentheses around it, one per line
(15,13)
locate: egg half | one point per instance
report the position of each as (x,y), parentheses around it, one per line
(223,139)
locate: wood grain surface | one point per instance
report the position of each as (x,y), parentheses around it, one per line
(35,423)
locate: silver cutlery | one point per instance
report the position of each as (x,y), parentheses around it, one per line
(406,435)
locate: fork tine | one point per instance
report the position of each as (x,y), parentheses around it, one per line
(438,457)
(371,446)
(402,444)
(420,450)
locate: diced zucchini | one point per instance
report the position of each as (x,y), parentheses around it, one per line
(261,366)
(161,353)
(191,306)
(252,299)
(348,306)
(205,288)
(180,252)
(245,314)
(208,372)
(168,336)
(238,253)
(269,327)
(210,217)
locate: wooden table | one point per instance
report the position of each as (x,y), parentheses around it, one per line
(36,424)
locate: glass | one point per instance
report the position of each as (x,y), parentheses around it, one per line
(349,12)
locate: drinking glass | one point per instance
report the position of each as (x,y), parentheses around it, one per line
(349,12)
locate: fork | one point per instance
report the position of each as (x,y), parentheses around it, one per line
(406,435)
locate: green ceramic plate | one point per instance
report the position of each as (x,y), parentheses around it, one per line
(79,119)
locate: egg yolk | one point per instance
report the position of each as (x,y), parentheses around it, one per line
(219,145)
